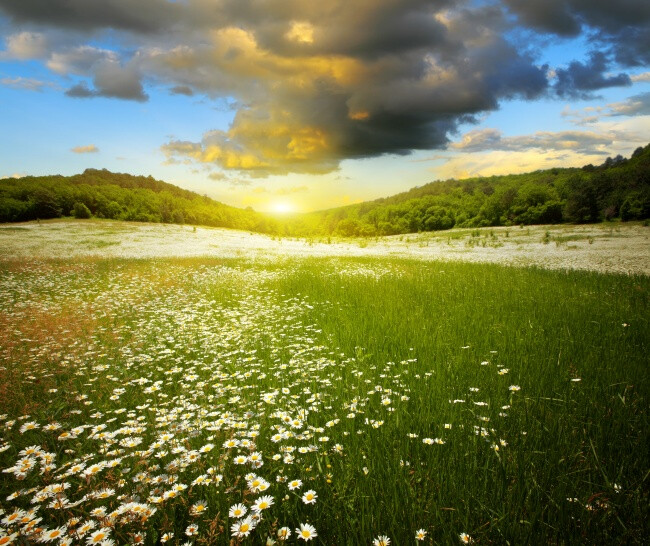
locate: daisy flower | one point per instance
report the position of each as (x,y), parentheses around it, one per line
(237,510)
(263,503)
(465,538)
(284,533)
(98,536)
(420,534)
(198,508)
(306,531)
(242,528)
(295,484)
(310,497)
(381,540)
(52,534)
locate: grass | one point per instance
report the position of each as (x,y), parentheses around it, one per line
(508,404)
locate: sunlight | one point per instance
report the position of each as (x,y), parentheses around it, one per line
(282,207)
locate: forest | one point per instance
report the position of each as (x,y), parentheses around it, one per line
(618,189)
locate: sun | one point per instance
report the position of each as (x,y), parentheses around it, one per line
(282,207)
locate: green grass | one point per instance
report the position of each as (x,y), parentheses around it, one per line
(375,355)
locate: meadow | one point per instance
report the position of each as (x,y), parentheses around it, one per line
(330,399)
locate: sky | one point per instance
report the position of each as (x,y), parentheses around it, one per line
(298,105)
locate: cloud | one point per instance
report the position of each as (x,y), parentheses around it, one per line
(25,45)
(643,77)
(113,80)
(583,142)
(315,83)
(28,84)
(579,80)
(291,190)
(306,112)
(89,149)
(622,27)
(14,175)
(498,162)
(637,105)
(181,90)
(217,176)
(143,15)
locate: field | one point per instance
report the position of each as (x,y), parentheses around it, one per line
(243,388)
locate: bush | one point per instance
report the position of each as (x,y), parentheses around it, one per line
(79,210)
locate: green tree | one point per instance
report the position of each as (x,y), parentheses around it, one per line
(79,210)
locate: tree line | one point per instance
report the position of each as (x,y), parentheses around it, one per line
(103,194)
(617,189)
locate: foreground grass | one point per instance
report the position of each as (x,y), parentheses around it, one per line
(507,404)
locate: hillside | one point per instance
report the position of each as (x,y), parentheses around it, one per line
(104,194)
(617,189)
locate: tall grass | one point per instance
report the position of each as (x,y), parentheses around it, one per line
(508,404)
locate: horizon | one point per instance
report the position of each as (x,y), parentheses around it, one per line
(298,107)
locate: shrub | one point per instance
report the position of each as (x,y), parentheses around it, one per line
(79,210)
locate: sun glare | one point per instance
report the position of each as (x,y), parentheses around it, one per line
(282,207)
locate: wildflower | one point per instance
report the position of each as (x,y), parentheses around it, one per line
(465,538)
(98,536)
(284,533)
(242,528)
(295,484)
(306,531)
(514,388)
(192,530)
(166,537)
(237,511)
(310,497)
(84,529)
(53,534)
(381,540)
(420,534)
(32,425)
(7,539)
(263,503)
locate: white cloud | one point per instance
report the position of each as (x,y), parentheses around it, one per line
(28,84)
(25,45)
(89,149)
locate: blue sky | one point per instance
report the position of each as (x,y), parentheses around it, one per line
(295,105)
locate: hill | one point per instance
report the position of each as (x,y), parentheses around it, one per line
(617,189)
(104,194)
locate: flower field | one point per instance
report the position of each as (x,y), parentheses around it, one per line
(334,400)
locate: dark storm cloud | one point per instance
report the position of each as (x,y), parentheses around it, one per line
(138,15)
(623,26)
(579,80)
(318,82)
(111,80)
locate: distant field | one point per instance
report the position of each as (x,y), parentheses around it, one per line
(609,247)
(230,387)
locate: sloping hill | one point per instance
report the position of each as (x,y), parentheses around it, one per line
(617,189)
(104,194)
